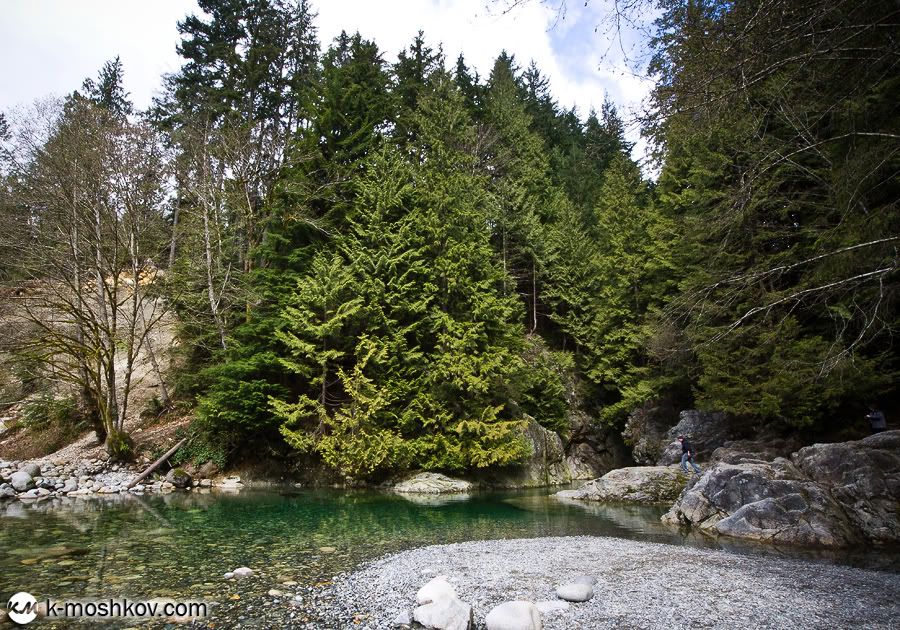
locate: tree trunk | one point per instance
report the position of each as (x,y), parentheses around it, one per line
(210,287)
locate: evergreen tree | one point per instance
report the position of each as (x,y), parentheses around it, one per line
(413,73)
(519,166)
(437,350)
(470,87)
(108,91)
(784,184)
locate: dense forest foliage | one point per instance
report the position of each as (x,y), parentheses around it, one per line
(389,266)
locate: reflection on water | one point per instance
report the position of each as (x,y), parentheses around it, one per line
(180,544)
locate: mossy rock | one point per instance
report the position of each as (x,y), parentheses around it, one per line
(179,478)
(120,446)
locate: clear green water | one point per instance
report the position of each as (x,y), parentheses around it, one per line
(179,545)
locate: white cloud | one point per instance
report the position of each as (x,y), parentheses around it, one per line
(50,46)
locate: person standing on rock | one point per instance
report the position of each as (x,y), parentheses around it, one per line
(876,419)
(687,455)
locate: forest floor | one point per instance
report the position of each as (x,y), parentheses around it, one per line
(639,585)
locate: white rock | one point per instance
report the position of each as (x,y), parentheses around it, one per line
(575,592)
(21,481)
(437,589)
(242,572)
(446,614)
(518,615)
(228,575)
(432,483)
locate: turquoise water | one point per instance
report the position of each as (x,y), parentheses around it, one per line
(179,545)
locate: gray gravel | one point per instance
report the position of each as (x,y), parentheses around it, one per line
(639,585)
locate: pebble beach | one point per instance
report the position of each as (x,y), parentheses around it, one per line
(639,585)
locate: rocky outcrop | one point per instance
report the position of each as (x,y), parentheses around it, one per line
(829,495)
(863,477)
(432,483)
(645,432)
(651,432)
(593,449)
(706,430)
(549,464)
(760,450)
(770,502)
(637,484)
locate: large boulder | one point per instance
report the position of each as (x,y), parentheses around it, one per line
(179,478)
(432,483)
(863,477)
(21,481)
(637,484)
(434,590)
(645,431)
(440,609)
(706,430)
(33,470)
(770,502)
(445,614)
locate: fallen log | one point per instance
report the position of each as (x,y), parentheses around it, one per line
(156,464)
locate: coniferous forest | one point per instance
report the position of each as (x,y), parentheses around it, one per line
(390,266)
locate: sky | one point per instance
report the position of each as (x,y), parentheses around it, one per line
(48,47)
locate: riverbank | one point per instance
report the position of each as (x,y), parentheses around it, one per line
(41,480)
(639,585)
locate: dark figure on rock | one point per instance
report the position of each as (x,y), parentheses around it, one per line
(876,419)
(687,455)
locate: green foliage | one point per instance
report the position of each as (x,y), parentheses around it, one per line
(785,190)
(408,261)
(45,410)
(203,446)
(234,411)
(544,380)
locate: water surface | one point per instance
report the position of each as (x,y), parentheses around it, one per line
(179,545)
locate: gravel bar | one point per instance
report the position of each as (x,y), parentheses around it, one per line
(639,585)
